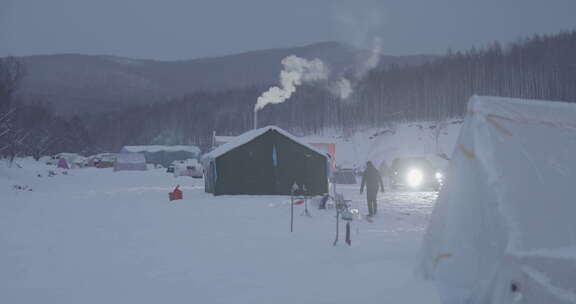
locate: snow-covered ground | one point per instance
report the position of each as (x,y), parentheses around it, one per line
(95,236)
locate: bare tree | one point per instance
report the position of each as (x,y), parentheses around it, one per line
(11,75)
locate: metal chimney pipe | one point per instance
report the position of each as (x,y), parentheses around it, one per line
(255,119)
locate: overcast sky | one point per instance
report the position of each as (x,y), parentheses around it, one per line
(184,29)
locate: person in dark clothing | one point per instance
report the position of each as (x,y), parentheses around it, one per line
(372,180)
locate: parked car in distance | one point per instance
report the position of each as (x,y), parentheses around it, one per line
(415,173)
(189,167)
(344,176)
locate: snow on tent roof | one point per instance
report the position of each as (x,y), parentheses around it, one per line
(506,212)
(221,139)
(67,155)
(157,148)
(250,135)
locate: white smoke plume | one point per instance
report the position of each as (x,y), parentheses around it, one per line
(295,72)
(298,70)
(360,23)
(373,59)
(341,88)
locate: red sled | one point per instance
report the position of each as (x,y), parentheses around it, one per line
(176,194)
(299,202)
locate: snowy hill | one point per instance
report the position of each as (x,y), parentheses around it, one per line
(86,83)
(432,140)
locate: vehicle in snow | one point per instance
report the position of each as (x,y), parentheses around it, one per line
(415,173)
(344,176)
(164,155)
(189,167)
(102,160)
(80,162)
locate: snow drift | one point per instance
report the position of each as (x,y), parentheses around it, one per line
(503,228)
(93,236)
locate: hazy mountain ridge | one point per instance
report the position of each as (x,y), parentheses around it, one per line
(75,83)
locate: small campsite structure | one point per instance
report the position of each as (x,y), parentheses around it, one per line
(63,164)
(130,162)
(164,155)
(266,161)
(503,228)
(69,158)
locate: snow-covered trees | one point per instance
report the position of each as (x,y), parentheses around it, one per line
(32,129)
(541,67)
(11,74)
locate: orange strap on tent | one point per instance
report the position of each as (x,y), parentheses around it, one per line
(467,153)
(492,119)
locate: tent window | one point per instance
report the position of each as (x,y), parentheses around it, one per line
(214,171)
(274,156)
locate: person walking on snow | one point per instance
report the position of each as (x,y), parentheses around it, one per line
(372,180)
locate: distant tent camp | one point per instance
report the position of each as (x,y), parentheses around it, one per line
(266,161)
(503,228)
(164,155)
(69,158)
(130,162)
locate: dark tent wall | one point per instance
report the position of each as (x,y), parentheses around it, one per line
(248,169)
(268,165)
(300,164)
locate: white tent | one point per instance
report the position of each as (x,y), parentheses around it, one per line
(127,161)
(504,227)
(164,155)
(157,148)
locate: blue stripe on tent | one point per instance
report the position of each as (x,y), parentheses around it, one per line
(215,172)
(274,156)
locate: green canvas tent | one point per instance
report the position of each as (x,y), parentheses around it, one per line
(266,161)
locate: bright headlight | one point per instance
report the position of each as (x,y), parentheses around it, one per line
(439,175)
(414,178)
